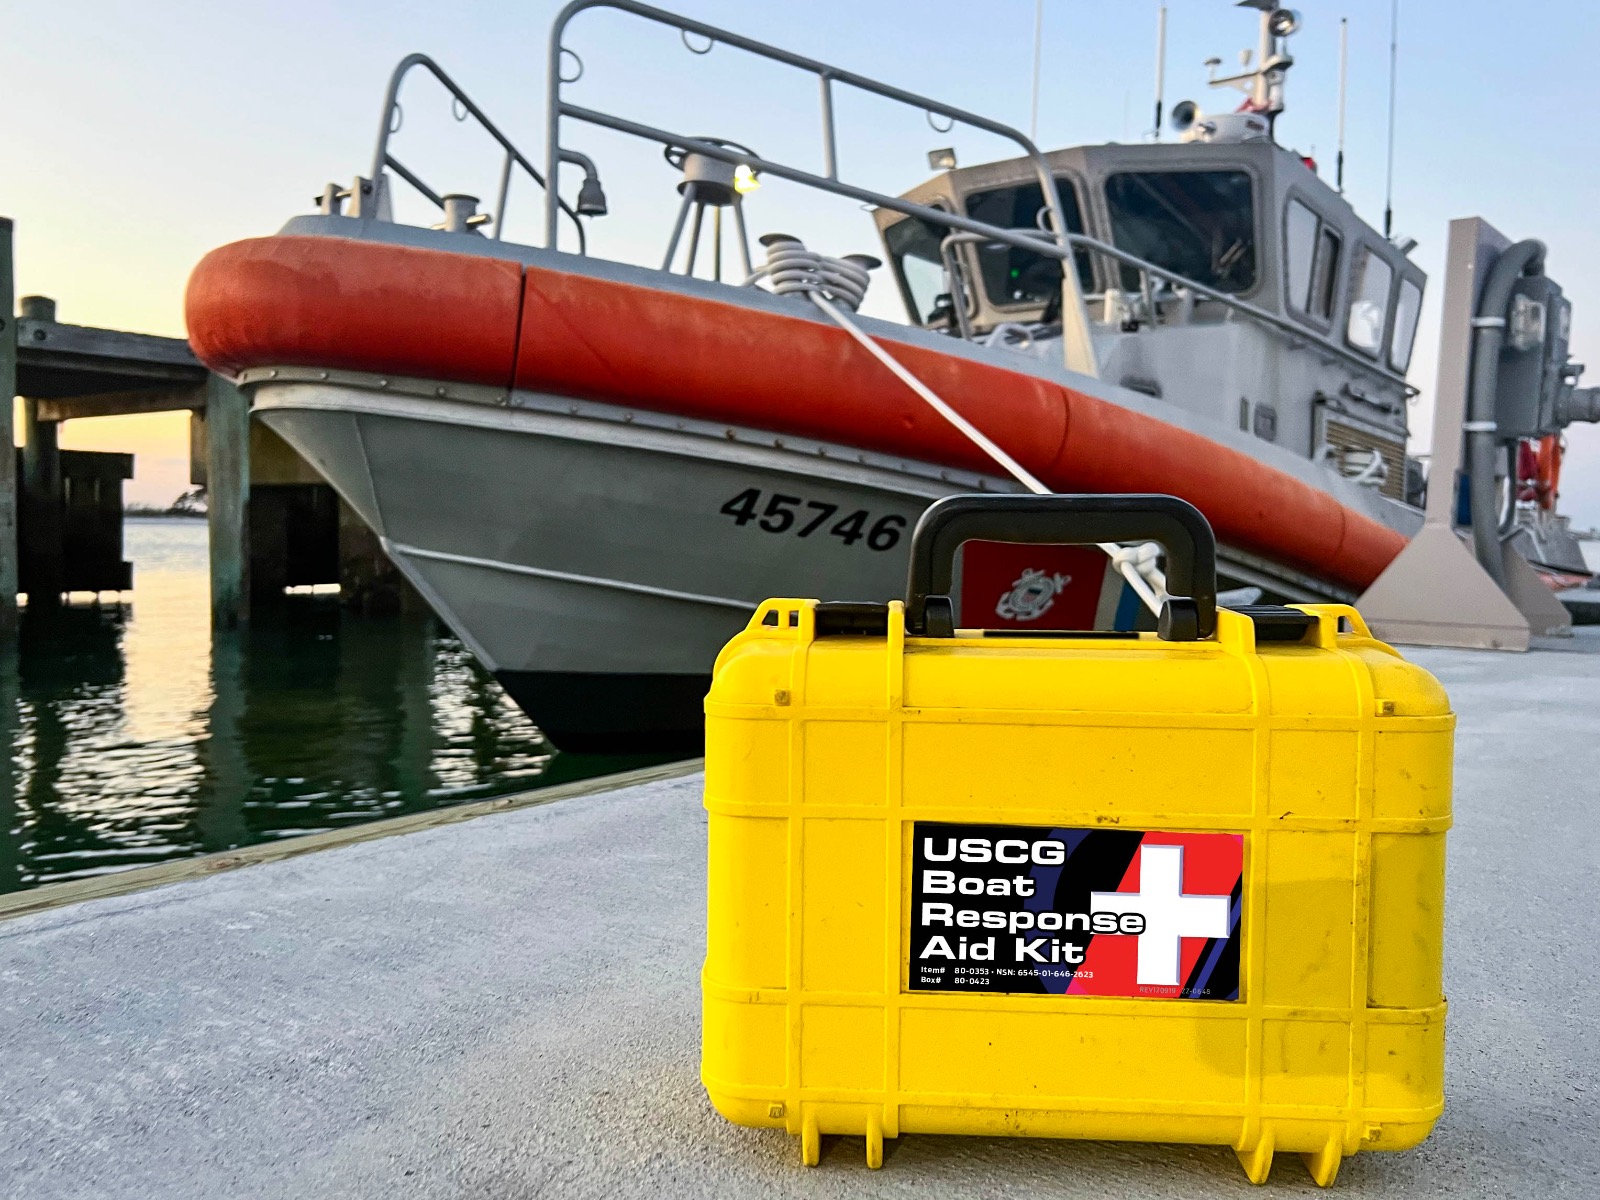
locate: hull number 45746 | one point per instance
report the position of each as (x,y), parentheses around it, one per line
(801,517)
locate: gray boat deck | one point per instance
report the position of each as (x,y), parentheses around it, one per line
(508,1006)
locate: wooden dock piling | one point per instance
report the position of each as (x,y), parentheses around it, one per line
(227,498)
(8,464)
(42,512)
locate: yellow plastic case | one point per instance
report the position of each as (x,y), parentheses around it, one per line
(835,737)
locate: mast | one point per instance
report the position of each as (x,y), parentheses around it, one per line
(1263,84)
(1261,89)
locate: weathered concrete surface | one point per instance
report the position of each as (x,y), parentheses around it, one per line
(508,1008)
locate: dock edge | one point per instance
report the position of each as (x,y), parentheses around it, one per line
(137,879)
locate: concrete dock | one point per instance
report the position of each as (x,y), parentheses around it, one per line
(508,1007)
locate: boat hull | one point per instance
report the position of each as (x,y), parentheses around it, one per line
(594,558)
(591,562)
(528,321)
(624,712)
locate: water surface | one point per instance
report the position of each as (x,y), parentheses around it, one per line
(137,736)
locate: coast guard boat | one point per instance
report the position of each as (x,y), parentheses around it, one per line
(594,471)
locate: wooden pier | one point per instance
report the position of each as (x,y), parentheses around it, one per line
(273,522)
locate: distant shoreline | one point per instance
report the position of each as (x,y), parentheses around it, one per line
(161,514)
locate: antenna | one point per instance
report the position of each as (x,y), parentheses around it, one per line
(1344,61)
(1388,181)
(1038,36)
(1161,64)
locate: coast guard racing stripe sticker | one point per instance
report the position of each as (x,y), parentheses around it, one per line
(1075,912)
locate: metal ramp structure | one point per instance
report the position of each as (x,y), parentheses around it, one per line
(1437,592)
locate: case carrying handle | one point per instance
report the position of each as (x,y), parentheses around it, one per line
(1190,611)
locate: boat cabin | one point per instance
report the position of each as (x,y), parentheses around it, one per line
(1275,305)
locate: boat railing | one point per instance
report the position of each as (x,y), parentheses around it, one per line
(1078,350)
(1187,291)
(462,106)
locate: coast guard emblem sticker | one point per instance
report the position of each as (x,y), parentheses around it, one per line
(1075,912)
(1017,585)
(1031,596)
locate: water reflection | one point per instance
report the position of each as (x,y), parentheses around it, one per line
(138,736)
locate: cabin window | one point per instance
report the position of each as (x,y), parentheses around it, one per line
(1300,252)
(1406,313)
(1197,224)
(1326,281)
(1013,277)
(913,246)
(1311,261)
(1369,309)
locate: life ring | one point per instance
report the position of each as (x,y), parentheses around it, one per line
(1548,475)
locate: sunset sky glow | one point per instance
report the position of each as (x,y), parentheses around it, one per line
(150,133)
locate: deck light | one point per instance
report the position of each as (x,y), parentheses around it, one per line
(942,160)
(591,198)
(744,179)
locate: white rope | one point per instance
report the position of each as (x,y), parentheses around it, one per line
(794,270)
(1373,472)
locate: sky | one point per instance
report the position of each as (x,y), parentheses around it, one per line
(145,133)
